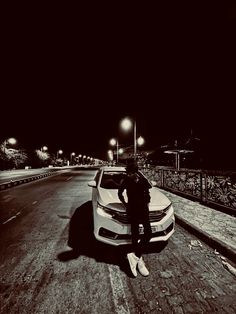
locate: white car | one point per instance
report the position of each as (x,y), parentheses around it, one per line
(111,223)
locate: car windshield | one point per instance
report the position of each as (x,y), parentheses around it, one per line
(112,180)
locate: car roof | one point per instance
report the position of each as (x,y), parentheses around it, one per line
(112,169)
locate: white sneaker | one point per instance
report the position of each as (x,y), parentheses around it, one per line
(142,267)
(133,261)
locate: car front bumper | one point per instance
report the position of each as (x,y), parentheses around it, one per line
(112,232)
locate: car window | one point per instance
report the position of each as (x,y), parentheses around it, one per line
(112,180)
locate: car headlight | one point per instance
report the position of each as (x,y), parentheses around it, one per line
(103,211)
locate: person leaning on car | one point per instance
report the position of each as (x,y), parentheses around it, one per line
(137,189)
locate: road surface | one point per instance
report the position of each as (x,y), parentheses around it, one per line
(40,273)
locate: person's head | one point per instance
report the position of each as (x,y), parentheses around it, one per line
(132,168)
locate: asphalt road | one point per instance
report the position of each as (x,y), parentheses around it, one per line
(39,273)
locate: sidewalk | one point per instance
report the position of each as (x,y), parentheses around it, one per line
(210,225)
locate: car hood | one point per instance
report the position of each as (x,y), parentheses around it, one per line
(109,198)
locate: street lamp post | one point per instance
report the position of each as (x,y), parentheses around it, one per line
(71,156)
(110,155)
(126,124)
(59,152)
(114,142)
(135,141)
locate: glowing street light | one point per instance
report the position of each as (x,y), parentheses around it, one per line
(44,149)
(71,156)
(140,141)
(110,154)
(11,141)
(59,152)
(126,125)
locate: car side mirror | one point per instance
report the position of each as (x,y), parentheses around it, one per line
(154,183)
(92,184)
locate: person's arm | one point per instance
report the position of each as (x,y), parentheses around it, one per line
(120,193)
(147,186)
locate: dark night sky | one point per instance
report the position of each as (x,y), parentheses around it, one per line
(69,76)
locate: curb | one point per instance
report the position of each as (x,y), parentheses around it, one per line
(215,243)
(14,183)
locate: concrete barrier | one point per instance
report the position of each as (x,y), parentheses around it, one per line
(12,183)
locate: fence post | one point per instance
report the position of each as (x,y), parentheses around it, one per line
(162,178)
(201,187)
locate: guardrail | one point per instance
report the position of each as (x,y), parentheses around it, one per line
(12,183)
(216,188)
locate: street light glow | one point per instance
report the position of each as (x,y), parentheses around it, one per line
(140,140)
(126,124)
(11,141)
(110,154)
(113,142)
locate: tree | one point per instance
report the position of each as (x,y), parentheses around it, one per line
(12,158)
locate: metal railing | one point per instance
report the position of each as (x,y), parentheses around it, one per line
(210,187)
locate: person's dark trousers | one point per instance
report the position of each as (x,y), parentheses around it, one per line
(138,247)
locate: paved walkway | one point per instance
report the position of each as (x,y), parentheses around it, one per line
(212,226)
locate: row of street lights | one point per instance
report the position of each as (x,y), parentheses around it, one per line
(83,159)
(127,124)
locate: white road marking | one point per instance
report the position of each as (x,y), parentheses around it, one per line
(119,297)
(11,218)
(7,198)
(69,178)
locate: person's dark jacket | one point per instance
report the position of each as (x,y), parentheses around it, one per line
(137,193)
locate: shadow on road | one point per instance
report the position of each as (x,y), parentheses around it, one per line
(82,242)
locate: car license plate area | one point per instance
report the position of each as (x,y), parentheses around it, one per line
(154,229)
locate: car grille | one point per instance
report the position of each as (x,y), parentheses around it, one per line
(154,216)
